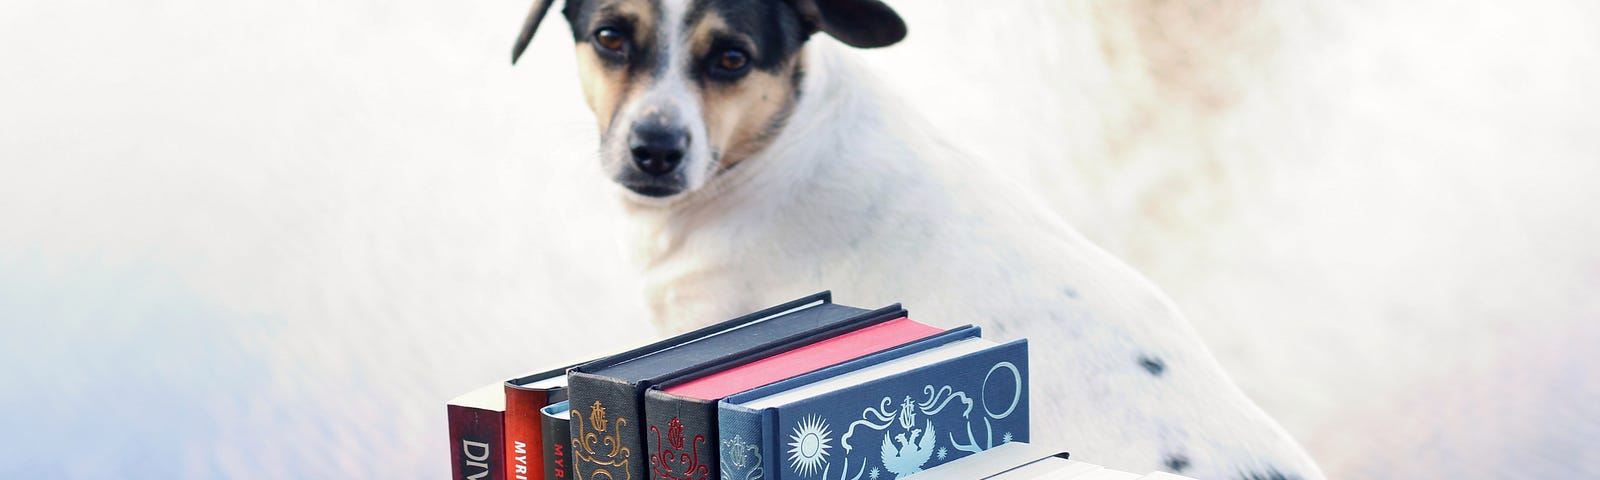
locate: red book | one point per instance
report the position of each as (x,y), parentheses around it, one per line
(477,434)
(525,442)
(683,416)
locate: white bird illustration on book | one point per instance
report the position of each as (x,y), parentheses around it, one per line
(912,453)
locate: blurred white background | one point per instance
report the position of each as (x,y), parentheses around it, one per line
(270,239)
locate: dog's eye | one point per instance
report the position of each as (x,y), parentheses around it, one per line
(732,60)
(609,39)
(730,63)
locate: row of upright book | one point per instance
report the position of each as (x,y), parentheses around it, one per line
(807,389)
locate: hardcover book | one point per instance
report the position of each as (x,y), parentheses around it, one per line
(525,396)
(607,395)
(477,434)
(681,415)
(876,417)
(557,445)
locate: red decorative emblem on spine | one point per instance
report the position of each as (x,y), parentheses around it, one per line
(670,461)
(675,433)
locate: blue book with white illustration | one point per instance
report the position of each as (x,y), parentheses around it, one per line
(883,416)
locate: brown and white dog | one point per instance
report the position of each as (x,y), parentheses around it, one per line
(758,164)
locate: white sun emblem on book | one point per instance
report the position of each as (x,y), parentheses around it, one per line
(808,446)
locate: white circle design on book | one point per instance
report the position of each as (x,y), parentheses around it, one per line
(808,445)
(1016,390)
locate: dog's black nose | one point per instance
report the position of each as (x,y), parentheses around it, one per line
(658,151)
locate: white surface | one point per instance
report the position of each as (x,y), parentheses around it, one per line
(1101,474)
(985,463)
(1053,468)
(267,240)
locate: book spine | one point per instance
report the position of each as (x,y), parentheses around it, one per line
(524,459)
(743,451)
(477,443)
(681,437)
(607,428)
(557,445)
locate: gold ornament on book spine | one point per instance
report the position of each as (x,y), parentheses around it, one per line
(600,454)
(598,418)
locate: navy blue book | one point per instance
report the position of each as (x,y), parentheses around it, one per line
(607,395)
(882,416)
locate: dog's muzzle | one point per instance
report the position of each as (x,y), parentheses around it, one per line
(658,153)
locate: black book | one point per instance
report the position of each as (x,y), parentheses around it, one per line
(557,441)
(607,395)
(681,438)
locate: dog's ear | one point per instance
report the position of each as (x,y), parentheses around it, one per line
(858,23)
(529,25)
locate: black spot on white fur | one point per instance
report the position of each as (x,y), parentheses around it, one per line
(1175,462)
(1268,474)
(1153,365)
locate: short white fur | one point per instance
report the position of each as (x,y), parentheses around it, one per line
(859,196)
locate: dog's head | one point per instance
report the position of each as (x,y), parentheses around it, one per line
(685,89)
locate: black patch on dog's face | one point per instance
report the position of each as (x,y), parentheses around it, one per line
(772,29)
(1152,365)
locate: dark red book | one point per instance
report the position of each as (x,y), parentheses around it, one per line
(477,434)
(525,396)
(683,441)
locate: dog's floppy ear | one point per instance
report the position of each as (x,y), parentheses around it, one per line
(857,23)
(528,27)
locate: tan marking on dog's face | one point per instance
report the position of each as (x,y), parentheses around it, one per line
(742,116)
(606,83)
(602,87)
